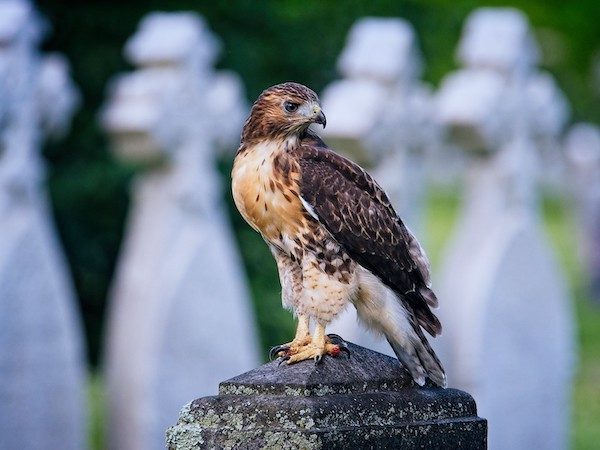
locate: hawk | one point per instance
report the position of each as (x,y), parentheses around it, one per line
(334,235)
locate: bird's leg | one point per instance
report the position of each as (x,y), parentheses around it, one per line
(302,331)
(319,345)
(301,339)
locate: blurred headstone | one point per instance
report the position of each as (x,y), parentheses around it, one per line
(42,365)
(379,114)
(181,319)
(582,147)
(508,324)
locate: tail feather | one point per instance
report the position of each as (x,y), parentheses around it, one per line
(419,359)
(410,361)
(424,316)
(429,322)
(382,311)
(430,361)
(429,296)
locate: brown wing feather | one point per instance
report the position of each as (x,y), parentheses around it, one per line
(358,214)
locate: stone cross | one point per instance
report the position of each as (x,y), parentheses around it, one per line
(582,148)
(365,401)
(507,317)
(42,363)
(380,115)
(181,317)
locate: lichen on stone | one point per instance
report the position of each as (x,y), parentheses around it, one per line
(184,437)
(290,440)
(232,389)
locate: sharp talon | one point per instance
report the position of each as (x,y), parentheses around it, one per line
(337,340)
(318,359)
(283,359)
(275,351)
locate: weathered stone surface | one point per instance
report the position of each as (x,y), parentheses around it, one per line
(366,401)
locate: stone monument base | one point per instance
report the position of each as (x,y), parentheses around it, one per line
(366,401)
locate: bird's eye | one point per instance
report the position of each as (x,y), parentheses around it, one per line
(290,107)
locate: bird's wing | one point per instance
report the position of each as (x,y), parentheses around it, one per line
(356,211)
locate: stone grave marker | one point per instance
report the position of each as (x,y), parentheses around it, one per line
(42,362)
(181,318)
(380,115)
(508,323)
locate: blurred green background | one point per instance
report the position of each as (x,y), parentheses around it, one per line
(267,42)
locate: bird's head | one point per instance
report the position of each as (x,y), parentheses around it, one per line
(282,111)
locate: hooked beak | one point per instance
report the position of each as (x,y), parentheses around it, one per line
(321,119)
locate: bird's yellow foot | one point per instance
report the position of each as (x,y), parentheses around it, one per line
(331,345)
(290,348)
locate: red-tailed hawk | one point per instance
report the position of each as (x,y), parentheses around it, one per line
(334,234)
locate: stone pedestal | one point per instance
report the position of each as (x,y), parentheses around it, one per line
(366,401)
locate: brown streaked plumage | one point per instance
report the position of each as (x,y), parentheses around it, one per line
(334,234)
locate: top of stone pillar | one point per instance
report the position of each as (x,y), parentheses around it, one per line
(36,97)
(172,39)
(18,18)
(365,371)
(500,94)
(175,104)
(366,401)
(389,112)
(383,49)
(498,39)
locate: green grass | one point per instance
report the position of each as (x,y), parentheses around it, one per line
(442,209)
(276,325)
(586,396)
(96,413)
